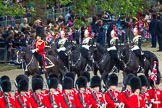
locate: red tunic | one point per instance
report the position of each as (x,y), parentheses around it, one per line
(136,101)
(22,101)
(146,98)
(117,97)
(125,96)
(97,98)
(40,46)
(40,99)
(55,99)
(69,99)
(10,100)
(84,99)
(155,97)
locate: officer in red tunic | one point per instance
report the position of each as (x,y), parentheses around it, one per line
(112,96)
(155,93)
(4,77)
(38,99)
(127,92)
(144,92)
(6,101)
(136,100)
(39,52)
(83,94)
(69,97)
(54,95)
(97,98)
(22,100)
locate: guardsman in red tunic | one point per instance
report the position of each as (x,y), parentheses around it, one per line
(136,100)
(54,95)
(155,93)
(144,92)
(112,96)
(39,52)
(127,92)
(97,98)
(38,99)
(69,97)
(6,101)
(83,94)
(4,77)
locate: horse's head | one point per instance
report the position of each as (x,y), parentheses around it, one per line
(21,52)
(123,52)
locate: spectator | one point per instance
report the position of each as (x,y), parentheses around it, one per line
(159,32)
(24,25)
(68,15)
(152,29)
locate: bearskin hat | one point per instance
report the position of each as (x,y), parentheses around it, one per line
(87,75)
(128,78)
(5,77)
(52,83)
(37,76)
(37,83)
(21,77)
(135,83)
(6,85)
(82,82)
(67,83)
(53,75)
(157,82)
(95,81)
(144,80)
(71,75)
(23,85)
(112,80)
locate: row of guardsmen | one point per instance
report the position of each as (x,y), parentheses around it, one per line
(135,95)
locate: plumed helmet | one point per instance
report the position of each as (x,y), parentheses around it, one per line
(87,75)
(144,80)
(53,83)
(67,83)
(6,85)
(82,82)
(112,80)
(135,84)
(95,81)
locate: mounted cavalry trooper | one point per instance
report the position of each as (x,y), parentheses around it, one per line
(114,46)
(137,41)
(87,40)
(39,52)
(62,41)
(112,96)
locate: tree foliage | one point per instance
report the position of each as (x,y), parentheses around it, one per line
(82,7)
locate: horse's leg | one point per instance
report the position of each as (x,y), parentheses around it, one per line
(124,76)
(95,69)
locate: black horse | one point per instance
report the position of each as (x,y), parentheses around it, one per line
(131,63)
(102,60)
(32,65)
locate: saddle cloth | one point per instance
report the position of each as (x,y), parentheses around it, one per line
(48,63)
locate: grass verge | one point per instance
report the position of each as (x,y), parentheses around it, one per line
(6,67)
